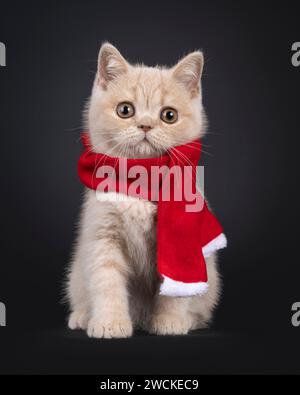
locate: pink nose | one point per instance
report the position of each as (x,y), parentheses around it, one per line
(145,128)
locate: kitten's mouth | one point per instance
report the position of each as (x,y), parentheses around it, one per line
(141,145)
(148,142)
(146,147)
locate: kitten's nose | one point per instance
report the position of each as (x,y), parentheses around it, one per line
(145,128)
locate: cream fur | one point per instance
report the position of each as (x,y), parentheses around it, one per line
(113,284)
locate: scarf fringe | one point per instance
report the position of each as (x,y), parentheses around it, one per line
(216,244)
(175,288)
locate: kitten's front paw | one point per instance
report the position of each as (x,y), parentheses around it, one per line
(78,320)
(169,324)
(108,329)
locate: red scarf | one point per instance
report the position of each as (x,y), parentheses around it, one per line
(183,238)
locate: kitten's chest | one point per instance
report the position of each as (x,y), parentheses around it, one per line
(138,215)
(139,220)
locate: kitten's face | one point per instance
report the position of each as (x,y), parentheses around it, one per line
(138,111)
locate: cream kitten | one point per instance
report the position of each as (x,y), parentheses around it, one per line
(113,283)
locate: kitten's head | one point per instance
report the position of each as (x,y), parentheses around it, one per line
(139,111)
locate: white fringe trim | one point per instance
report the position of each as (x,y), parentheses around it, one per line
(214,245)
(171,287)
(174,288)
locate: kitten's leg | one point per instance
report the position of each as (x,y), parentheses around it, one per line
(107,273)
(174,316)
(170,316)
(201,308)
(78,299)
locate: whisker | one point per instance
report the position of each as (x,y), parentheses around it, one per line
(73,129)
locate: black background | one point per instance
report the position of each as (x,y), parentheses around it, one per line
(251,95)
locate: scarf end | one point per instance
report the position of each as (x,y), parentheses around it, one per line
(216,244)
(174,288)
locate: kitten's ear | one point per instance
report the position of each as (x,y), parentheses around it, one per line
(111,64)
(189,70)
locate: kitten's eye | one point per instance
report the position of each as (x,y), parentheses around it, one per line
(125,110)
(169,115)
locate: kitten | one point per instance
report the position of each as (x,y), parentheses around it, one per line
(113,284)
